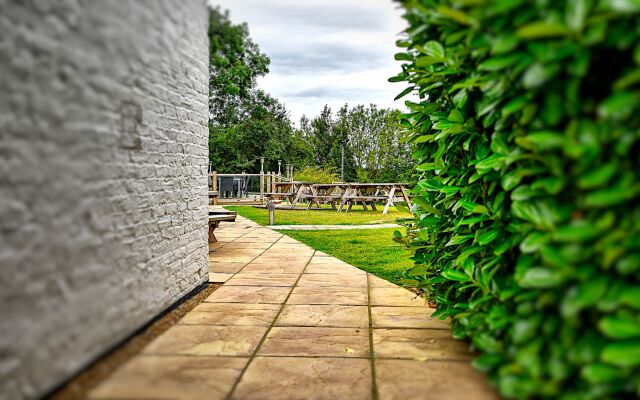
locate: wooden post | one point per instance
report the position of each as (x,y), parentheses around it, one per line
(241,186)
(273,181)
(262,180)
(214,186)
(272,211)
(261,186)
(268,183)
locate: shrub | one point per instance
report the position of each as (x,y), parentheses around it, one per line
(527,229)
(316,175)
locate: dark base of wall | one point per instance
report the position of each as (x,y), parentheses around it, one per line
(88,376)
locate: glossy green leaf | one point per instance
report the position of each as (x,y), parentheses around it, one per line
(455,276)
(455,15)
(488,236)
(601,373)
(498,63)
(620,326)
(540,277)
(403,57)
(486,362)
(576,13)
(541,30)
(622,354)
(434,49)
(597,177)
(404,93)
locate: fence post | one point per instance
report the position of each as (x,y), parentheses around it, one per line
(269,175)
(261,180)
(273,181)
(214,186)
(241,188)
(261,186)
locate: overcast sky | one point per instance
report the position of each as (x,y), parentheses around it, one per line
(324,51)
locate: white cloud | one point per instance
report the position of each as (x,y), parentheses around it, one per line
(324,51)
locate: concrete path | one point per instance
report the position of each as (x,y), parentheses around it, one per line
(330,227)
(294,323)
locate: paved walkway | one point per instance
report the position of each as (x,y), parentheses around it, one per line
(330,227)
(294,323)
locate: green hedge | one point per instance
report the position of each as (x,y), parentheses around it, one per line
(316,175)
(527,135)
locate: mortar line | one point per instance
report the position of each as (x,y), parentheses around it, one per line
(374,384)
(308,326)
(264,337)
(241,356)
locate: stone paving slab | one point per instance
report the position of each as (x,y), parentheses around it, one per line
(316,342)
(334,315)
(305,378)
(248,314)
(441,380)
(172,377)
(293,323)
(337,295)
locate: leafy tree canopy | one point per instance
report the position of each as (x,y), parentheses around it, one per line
(245,123)
(235,62)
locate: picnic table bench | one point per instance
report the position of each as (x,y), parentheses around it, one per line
(213,196)
(346,194)
(323,193)
(293,191)
(368,193)
(217,216)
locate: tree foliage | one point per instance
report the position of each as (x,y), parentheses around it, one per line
(235,62)
(527,137)
(374,150)
(246,123)
(316,175)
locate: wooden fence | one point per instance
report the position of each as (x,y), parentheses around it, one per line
(264,183)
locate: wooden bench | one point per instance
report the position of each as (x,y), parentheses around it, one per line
(365,200)
(213,196)
(279,194)
(325,198)
(215,217)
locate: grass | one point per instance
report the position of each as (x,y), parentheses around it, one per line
(372,250)
(324,216)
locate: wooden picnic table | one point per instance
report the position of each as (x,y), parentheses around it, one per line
(347,194)
(368,193)
(293,191)
(324,193)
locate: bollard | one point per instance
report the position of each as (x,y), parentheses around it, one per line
(272,211)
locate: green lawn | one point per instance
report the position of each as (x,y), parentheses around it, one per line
(324,216)
(372,250)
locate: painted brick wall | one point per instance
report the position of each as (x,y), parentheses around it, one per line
(103,161)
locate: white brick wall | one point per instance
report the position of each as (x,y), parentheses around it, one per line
(103,161)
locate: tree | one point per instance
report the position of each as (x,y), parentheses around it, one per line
(246,123)
(374,143)
(320,137)
(341,137)
(235,62)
